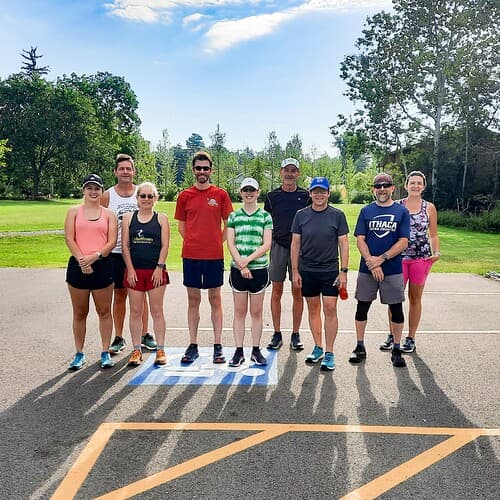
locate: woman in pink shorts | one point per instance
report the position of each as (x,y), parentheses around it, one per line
(422,252)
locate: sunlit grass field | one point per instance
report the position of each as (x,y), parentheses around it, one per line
(462,251)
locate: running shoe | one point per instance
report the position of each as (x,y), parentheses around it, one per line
(295,342)
(409,345)
(358,355)
(161,357)
(106,361)
(397,359)
(78,362)
(328,363)
(148,341)
(237,360)
(276,341)
(315,356)
(136,358)
(190,355)
(258,358)
(387,345)
(218,357)
(117,345)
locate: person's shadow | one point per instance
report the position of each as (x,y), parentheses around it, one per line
(427,406)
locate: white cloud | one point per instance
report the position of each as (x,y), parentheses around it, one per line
(193,18)
(226,33)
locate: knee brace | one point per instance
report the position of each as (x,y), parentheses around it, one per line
(362,310)
(397,315)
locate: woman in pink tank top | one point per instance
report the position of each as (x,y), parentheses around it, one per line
(90,231)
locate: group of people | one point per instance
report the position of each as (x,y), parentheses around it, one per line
(119,246)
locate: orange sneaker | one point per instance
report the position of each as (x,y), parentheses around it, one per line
(136,358)
(161,358)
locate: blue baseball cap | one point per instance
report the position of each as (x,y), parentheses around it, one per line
(319,182)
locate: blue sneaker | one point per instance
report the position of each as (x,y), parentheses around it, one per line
(328,363)
(78,362)
(106,361)
(315,356)
(190,355)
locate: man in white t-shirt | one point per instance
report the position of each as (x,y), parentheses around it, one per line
(121,198)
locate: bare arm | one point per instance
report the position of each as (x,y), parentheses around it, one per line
(69,233)
(131,276)
(181,227)
(105,199)
(224,230)
(294,257)
(344,258)
(433,231)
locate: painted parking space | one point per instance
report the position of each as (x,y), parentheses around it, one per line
(453,440)
(204,372)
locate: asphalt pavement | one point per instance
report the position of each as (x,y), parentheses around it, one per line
(430,430)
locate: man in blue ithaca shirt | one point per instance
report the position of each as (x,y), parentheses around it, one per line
(382,233)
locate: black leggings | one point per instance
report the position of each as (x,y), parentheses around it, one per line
(397,315)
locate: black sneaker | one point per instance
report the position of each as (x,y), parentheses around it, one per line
(148,341)
(397,359)
(276,341)
(190,355)
(237,360)
(409,345)
(295,342)
(218,357)
(257,358)
(387,345)
(358,355)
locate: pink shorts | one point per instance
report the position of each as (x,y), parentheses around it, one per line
(144,281)
(416,270)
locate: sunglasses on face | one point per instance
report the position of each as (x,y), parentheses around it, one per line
(148,196)
(249,190)
(205,169)
(381,185)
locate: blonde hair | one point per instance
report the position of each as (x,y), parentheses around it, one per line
(150,185)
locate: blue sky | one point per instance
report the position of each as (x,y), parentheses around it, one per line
(250,66)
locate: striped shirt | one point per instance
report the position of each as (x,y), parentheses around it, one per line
(249,234)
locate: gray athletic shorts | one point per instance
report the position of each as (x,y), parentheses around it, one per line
(392,290)
(279,263)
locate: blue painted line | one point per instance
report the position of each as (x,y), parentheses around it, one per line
(204,372)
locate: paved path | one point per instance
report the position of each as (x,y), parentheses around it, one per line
(428,431)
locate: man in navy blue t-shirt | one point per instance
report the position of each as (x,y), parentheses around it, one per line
(382,233)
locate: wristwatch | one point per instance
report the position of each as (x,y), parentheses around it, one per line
(385,256)
(163,266)
(344,269)
(99,255)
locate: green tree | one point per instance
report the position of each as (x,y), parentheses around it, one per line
(217,140)
(274,156)
(165,166)
(30,64)
(408,62)
(294,147)
(194,143)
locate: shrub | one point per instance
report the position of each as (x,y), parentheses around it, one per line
(487,222)
(362,197)
(335,196)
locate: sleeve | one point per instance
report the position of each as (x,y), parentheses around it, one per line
(360,224)
(296,227)
(343,226)
(180,208)
(230,220)
(267,205)
(268,221)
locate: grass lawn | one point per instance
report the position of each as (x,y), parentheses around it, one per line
(463,251)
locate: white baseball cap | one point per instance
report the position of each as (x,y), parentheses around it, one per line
(250,182)
(290,161)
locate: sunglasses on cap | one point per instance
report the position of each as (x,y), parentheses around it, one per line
(381,185)
(148,196)
(205,169)
(249,189)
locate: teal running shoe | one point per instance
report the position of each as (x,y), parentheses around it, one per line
(117,345)
(328,363)
(78,362)
(148,342)
(106,361)
(315,356)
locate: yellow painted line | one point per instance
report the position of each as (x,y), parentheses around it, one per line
(81,468)
(191,465)
(411,468)
(264,432)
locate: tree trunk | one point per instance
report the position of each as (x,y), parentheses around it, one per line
(466,160)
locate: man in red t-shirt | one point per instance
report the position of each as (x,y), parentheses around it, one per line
(202,211)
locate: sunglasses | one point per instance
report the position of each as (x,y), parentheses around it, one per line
(205,169)
(381,185)
(148,196)
(249,190)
